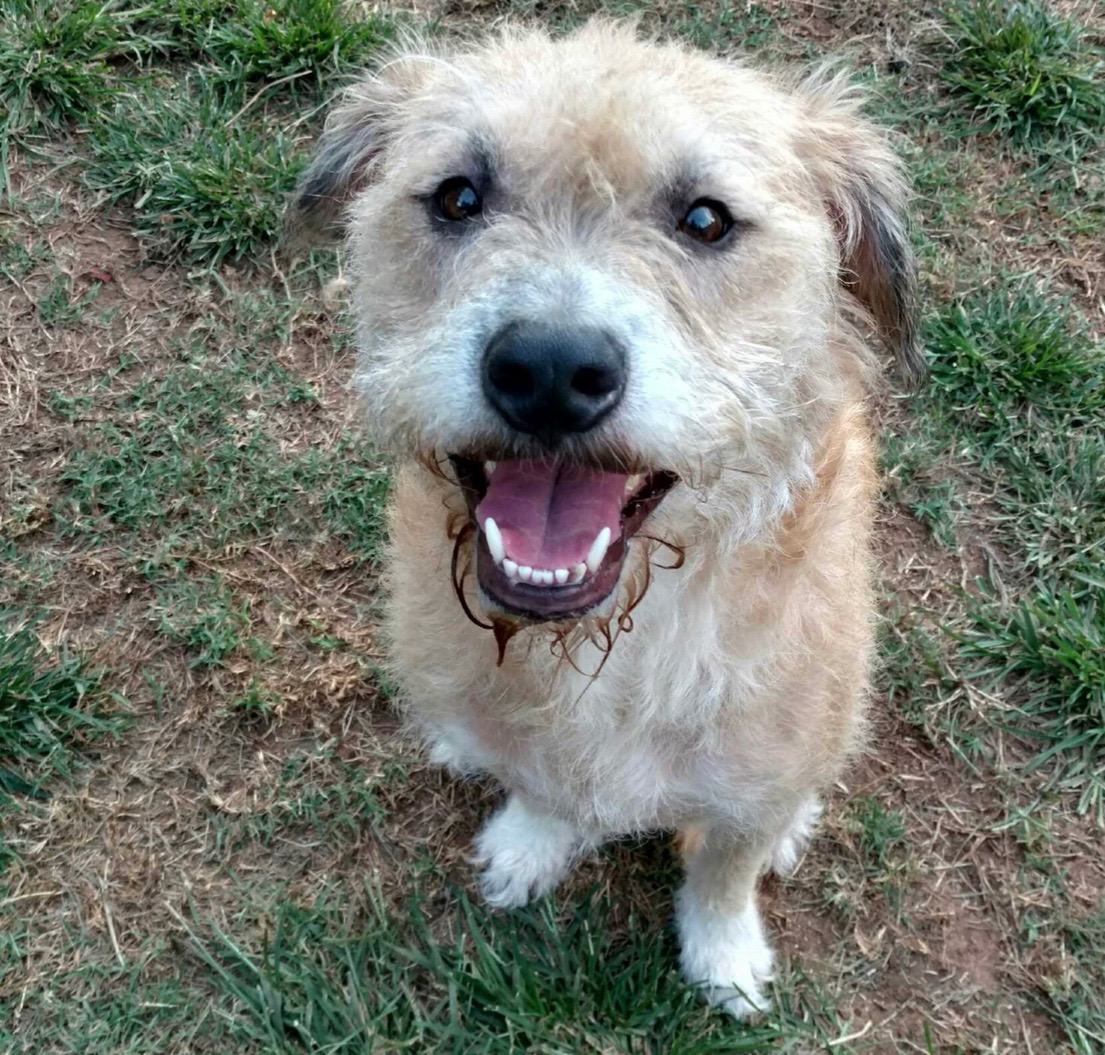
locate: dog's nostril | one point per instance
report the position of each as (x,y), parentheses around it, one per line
(512,378)
(595,381)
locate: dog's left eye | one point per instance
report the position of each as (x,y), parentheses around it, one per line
(457,200)
(706,221)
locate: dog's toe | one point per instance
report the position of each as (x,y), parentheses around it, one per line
(524,855)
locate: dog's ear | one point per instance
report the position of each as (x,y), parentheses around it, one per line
(350,146)
(862,184)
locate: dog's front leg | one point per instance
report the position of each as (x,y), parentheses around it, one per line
(722,944)
(525,852)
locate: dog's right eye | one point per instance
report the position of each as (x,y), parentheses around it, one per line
(457,200)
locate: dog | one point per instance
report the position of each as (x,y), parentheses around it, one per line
(617,304)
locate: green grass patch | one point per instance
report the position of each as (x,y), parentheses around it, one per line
(1028,72)
(51,705)
(318,797)
(206,180)
(203,615)
(290,38)
(1011,355)
(1049,653)
(1017,407)
(201,456)
(57,64)
(326,977)
(96,1005)
(312,41)
(1076,998)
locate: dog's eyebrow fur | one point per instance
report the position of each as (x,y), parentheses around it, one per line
(475,159)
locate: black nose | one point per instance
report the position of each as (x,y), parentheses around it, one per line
(551,380)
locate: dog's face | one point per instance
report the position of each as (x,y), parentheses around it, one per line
(594,274)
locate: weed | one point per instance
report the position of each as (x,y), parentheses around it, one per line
(256,701)
(1029,72)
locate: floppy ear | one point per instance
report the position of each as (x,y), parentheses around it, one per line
(864,190)
(350,146)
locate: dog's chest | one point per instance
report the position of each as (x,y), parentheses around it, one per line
(616,759)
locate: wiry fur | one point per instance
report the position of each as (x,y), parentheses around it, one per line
(738,692)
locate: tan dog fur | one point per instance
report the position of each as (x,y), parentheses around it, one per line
(738,693)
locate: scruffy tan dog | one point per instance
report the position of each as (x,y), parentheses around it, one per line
(612,301)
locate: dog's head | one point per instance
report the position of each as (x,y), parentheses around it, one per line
(599,275)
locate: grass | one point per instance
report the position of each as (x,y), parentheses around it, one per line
(203,616)
(1012,354)
(57,64)
(205,180)
(197,453)
(1026,71)
(333,977)
(1050,651)
(49,705)
(1019,395)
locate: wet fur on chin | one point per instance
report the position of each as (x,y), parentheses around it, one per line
(718,692)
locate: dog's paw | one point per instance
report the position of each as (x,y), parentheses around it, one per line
(524,855)
(726,957)
(792,843)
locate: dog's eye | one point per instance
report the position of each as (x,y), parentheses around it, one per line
(706,221)
(456,200)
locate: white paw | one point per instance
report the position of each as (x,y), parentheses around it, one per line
(726,956)
(524,854)
(792,843)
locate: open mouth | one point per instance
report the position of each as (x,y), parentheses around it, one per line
(553,535)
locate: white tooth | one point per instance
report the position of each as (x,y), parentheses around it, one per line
(510,567)
(547,578)
(561,576)
(489,468)
(598,550)
(494,540)
(525,573)
(578,572)
(632,483)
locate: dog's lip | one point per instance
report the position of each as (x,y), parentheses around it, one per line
(558,602)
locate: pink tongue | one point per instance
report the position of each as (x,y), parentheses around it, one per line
(548,514)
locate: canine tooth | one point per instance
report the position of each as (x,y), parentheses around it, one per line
(494,540)
(578,572)
(525,573)
(633,482)
(561,576)
(510,567)
(489,467)
(598,550)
